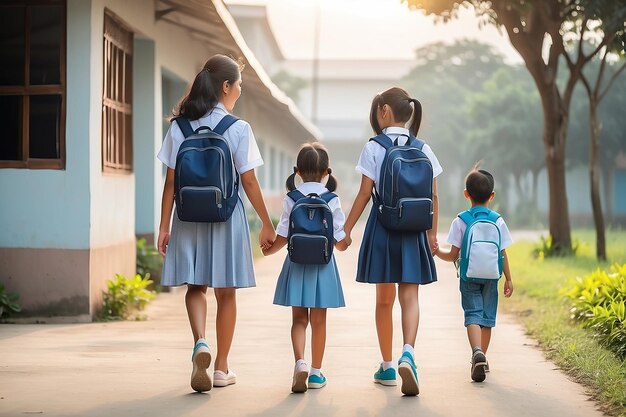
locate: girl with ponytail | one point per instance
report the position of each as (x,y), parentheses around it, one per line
(309,289)
(216,255)
(390,258)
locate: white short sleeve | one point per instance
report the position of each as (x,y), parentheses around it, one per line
(282,229)
(367,162)
(247,156)
(437,168)
(171,143)
(455,236)
(505,235)
(339,219)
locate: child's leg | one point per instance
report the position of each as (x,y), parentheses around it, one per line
(318,336)
(474,334)
(485,338)
(196,303)
(409,302)
(224,325)
(385,297)
(300,319)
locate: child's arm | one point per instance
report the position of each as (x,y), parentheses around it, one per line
(508,283)
(450,256)
(253,191)
(167,204)
(360,201)
(278,244)
(432,233)
(341,245)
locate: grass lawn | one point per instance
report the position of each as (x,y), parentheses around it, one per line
(545,314)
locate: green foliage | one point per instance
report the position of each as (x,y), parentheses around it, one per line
(149,260)
(290,84)
(547,249)
(599,302)
(541,308)
(8,302)
(126,296)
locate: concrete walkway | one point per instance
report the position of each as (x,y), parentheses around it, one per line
(142,368)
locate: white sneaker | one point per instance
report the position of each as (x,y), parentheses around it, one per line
(300,376)
(201,359)
(221,379)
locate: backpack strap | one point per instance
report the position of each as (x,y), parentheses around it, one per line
(328,196)
(226,122)
(184,125)
(383,140)
(418,143)
(295,195)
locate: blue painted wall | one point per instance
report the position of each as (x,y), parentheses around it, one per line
(50,208)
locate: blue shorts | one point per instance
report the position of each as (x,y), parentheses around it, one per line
(480,302)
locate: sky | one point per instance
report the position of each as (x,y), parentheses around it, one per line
(368,29)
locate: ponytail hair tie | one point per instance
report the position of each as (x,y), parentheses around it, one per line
(295,170)
(330,171)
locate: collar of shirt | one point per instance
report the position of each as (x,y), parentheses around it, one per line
(307,188)
(400,133)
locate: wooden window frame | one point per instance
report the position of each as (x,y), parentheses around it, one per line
(28,90)
(117,96)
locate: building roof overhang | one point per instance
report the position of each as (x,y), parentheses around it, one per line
(210,21)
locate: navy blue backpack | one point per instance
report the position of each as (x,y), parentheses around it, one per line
(311,234)
(206,183)
(404,198)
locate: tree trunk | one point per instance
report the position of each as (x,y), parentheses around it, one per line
(554,135)
(594,180)
(608,178)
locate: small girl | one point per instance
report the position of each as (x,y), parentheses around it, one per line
(217,255)
(387,257)
(309,289)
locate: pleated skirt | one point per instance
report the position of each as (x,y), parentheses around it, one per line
(388,256)
(310,286)
(215,254)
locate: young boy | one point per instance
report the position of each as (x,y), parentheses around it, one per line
(479,297)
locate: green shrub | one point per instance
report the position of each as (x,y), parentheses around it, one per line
(149,260)
(126,296)
(599,303)
(8,302)
(547,249)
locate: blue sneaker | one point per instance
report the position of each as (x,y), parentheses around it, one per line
(201,359)
(317,381)
(387,378)
(408,373)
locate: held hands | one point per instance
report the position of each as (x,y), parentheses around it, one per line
(163,240)
(433,243)
(267,236)
(508,288)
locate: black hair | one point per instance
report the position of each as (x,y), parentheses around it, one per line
(400,103)
(311,164)
(206,90)
(479,184)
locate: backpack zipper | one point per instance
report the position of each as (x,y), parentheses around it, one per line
(218,194)
(394,183)
(222,159)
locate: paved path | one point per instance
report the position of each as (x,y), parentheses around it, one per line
(142,368)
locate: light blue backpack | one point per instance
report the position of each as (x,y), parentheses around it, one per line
(481,250)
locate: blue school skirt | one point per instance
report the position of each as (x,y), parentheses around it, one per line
(310,286)
(388,256)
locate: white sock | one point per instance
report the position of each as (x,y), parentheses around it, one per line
(387,365)
(300,362)
(201,340)
(315,371)
(409,348)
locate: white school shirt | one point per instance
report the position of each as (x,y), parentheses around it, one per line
(239,136)
(458,226)
(372,156)
(339,219)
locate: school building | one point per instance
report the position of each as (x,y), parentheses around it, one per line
(86,89)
